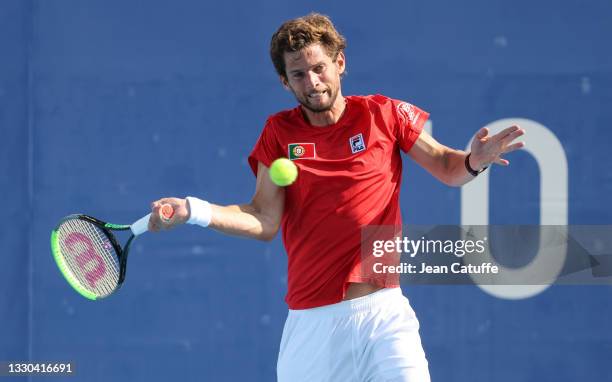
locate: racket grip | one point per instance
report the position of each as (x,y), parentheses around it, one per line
(166,212)
(141,225)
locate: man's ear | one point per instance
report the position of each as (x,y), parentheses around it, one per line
(341,62)
(284,82)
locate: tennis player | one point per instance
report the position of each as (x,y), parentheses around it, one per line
(342,326)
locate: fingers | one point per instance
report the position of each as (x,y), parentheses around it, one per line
(156,223)
(515,146)
(483,132)
(508,134)
(490,149)
(512,136)
(502,142)
(501,161)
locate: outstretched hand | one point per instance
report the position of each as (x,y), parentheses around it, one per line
(489,149)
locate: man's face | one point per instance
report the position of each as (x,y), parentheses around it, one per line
(313,77)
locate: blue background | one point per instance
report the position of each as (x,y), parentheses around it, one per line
(108,105)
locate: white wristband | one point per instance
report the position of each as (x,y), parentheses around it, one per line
(201,212)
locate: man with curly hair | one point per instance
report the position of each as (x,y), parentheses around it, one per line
(344,324)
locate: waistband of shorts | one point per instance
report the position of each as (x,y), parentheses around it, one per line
(356,305)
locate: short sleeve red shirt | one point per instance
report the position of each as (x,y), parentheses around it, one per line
(349,177)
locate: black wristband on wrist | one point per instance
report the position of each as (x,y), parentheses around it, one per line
(470,169)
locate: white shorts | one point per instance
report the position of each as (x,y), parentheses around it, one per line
(368,339)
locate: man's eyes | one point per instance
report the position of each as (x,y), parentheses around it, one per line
(317,69)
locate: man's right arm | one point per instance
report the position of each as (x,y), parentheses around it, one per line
(260,219)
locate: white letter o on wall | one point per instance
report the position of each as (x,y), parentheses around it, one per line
(546,149)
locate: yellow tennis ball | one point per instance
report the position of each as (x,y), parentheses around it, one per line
(283,172)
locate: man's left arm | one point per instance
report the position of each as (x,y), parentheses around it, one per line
(449,165)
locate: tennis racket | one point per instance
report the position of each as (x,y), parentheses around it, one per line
(90,257)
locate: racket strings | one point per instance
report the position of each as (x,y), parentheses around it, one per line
(90,256)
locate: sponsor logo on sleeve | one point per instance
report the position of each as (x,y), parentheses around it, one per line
(408,113)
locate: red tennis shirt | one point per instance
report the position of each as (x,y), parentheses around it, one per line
(349,177)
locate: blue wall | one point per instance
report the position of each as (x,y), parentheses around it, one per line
(107,105)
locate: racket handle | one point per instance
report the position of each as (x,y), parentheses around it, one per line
(166,212)
(141,225)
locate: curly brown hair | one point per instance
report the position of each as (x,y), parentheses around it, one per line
(295,35)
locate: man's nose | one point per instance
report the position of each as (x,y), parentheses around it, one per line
(312,80)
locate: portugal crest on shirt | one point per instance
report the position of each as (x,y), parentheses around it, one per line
(301,151)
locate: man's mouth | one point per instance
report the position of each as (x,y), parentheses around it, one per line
(316,95)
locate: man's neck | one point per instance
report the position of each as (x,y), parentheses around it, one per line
(328,117)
